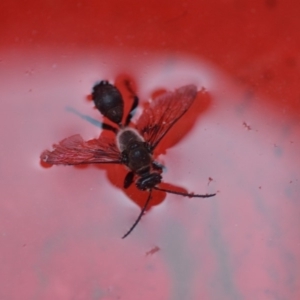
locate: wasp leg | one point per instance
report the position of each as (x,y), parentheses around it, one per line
(128,179)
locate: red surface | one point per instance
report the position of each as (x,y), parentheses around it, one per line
(61,227)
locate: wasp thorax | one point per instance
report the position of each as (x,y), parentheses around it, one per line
(138,157)
(126,137)
(108,101)
(134,150)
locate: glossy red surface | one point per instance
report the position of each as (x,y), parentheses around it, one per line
(61,227)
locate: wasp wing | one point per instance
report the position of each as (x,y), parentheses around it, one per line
(74,150)
(164,112)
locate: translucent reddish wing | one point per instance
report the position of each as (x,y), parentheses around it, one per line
(74,150)
(164,112)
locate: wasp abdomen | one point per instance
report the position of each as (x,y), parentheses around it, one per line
(108,101)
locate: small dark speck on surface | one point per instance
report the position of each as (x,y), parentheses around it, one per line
(152,251)
(247,126)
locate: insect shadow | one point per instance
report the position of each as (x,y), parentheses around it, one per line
(133,145)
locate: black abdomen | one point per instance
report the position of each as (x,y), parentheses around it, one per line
(108,101)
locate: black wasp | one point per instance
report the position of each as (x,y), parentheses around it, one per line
(133,146)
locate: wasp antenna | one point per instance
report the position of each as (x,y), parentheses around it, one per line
(139,217)
(184,194)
